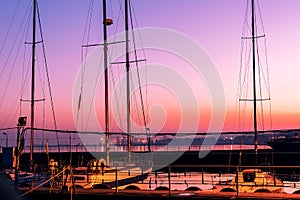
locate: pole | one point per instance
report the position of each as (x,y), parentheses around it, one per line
(17,157)
(169,179)
(254,83)
(106,81)
(148,139)
(117,183)
(127,80)
(32,83)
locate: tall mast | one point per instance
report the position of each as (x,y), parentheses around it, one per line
(127,79)
(106,81)
(33,81)
(254,82)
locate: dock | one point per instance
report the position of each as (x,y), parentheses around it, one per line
(96,194)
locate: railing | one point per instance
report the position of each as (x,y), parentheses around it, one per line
(206,178)
(140,148)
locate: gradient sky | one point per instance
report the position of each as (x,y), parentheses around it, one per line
(214,24)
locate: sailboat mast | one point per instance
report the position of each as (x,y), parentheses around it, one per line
(33,80)
(254,82)
(127,78)
(105,81)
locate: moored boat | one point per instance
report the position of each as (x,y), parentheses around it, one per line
(98,175)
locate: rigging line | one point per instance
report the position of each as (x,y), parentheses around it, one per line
(44,110)
(119,73)
(117,100)
(248,72)
(14,43)
(260,88)
(121,93)
(266,81)
(25,81)
(44,117)
(244,86)
(246,68)
(265,45)
(267,66)
(132,85)
(48,78)
(13,65)
(12,47)
(270,116)
(246,78)
(111,8)
(24,68)
(119,14)
(136,103)
(119,97)
(260,71)
(250,122)
(265,73)
(116,26)
(246,26)
(137,67)
(136,24)
(83,58)
(238,87)
(9,27)
(88,22)
(260,16)
(42,82)
(14,109)
(144,54)
(92,100)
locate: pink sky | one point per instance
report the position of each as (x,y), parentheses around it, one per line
(215,25)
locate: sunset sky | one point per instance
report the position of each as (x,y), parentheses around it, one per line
(214,25)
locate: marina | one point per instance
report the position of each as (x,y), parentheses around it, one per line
(178,185)
(148,116)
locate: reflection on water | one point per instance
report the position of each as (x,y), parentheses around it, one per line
(182,181)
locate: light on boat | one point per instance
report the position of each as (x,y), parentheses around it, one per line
(108,22)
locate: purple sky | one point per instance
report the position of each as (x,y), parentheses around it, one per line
(215,25)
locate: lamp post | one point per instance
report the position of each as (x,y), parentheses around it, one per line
(6,140)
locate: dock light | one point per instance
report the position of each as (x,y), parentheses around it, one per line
(22,121)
